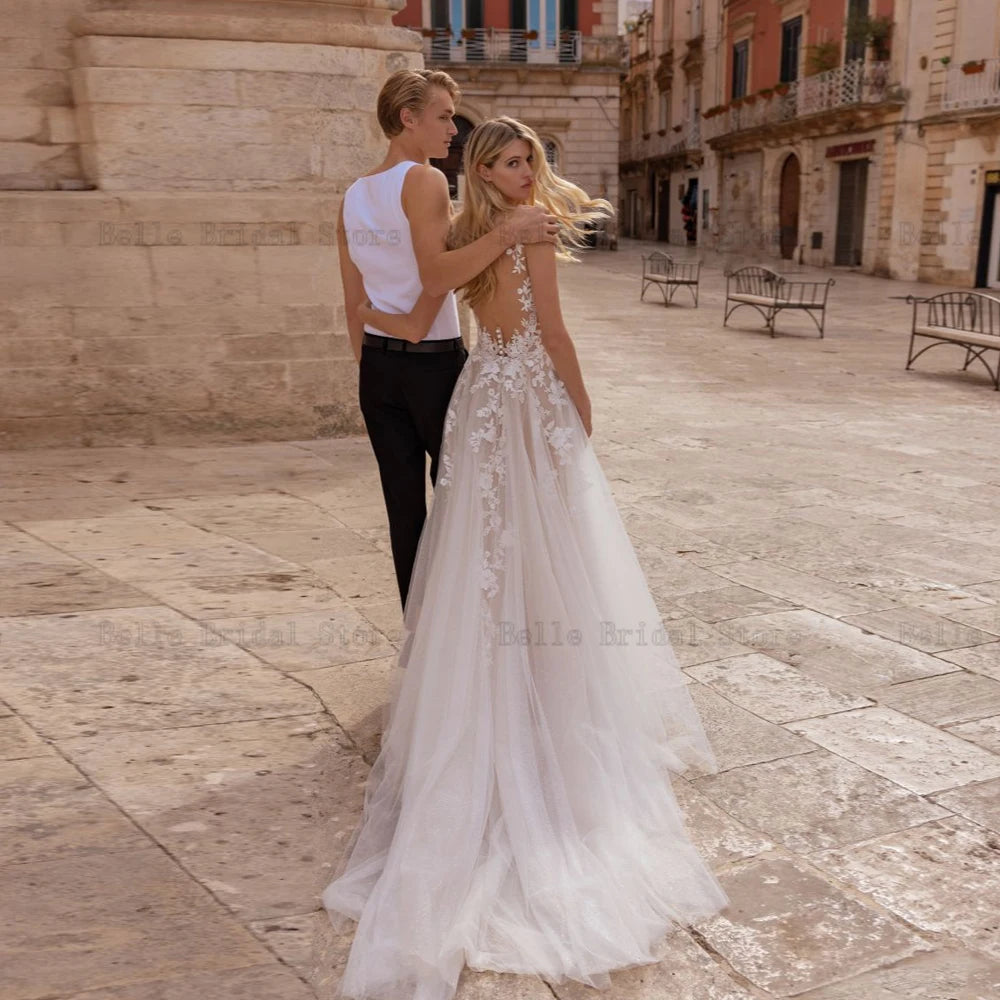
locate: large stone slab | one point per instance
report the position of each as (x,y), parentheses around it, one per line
(935,975)
(801,588)
(720,838)
(921,629)
(19,741)
(730,602)
(771,689)
(694,641)
(942,877)
(249,594)
(257,982)
(359,579)
(815,800)
(69,675)
(683,970)
(49,810)
(738,737)
(321,543)
(979,803)
(144,920)
(907,752)
(236,804)
(984,733)
(139,527)
(945,700)
(980,659)
(306,640)
(787,930)
(43,588)
(356,695)
(833,653)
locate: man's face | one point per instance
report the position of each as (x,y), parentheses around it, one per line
(435,125)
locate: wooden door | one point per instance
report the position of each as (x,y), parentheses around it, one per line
(788,206)
(851,213)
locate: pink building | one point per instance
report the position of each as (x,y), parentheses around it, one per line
(554,64)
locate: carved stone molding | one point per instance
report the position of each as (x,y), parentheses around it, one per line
(358,23)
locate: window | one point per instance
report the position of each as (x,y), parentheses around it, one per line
(551,153)
(664,121)
(741,61)
(855,47)
(695,18)
(791,44)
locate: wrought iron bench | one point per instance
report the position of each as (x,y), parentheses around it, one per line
(660,269)
(769,293)
(968,319)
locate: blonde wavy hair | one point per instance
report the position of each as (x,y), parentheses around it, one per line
(483,204)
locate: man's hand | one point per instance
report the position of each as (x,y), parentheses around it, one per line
(529,224)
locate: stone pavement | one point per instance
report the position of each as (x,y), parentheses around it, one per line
(198,644)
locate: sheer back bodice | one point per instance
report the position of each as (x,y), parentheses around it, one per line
(510,314)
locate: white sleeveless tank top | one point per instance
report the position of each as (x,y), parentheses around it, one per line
(380,244)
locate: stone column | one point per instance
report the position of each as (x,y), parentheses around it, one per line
(194,294)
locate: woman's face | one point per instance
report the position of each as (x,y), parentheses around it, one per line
(513,172)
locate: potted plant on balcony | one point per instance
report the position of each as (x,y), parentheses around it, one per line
(873,31)
(531,35)
(781,89)
(822,57)
(750,99)
(468,33)
(766,93)
(974,66)
(661,131)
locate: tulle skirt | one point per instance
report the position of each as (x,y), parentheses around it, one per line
(520,816)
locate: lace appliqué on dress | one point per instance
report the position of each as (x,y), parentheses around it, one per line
(517,371)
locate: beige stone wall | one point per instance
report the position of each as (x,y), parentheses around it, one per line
(163,317)
(38,132)
(195,292)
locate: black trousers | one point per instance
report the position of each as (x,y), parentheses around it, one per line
(404,398)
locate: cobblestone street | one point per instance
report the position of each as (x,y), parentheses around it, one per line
(197,646)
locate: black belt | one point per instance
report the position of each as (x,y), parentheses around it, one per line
(396,344)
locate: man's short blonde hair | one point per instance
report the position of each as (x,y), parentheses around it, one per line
(410,88)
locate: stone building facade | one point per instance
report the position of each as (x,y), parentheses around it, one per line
(170,176)
(553,64)
(856,133)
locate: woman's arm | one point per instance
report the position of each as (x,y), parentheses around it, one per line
(412,326)
(428,209)
(541,260)
(354,287)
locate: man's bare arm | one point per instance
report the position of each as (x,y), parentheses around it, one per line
(354,288)
(427,206)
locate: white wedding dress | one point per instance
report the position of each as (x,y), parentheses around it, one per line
(520,816)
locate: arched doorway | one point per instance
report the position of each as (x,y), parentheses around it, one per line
(451,165)
(788,206)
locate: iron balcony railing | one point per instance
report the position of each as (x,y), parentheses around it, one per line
(977,89)
(855,82)
(500,45)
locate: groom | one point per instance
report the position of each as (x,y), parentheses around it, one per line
(391,238)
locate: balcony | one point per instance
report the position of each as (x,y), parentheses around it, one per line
(855,83)
(500,45)
(972,90)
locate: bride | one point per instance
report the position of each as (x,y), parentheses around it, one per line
(520,816)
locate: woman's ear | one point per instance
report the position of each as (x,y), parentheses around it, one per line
(483,171)
(407,118)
